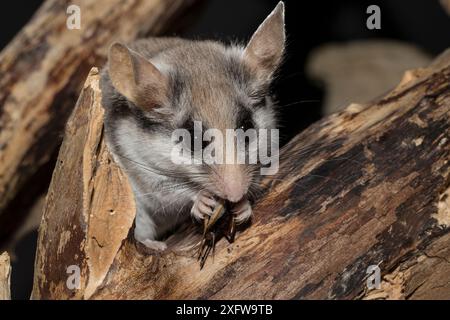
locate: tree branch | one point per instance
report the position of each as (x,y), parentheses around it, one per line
(5,276)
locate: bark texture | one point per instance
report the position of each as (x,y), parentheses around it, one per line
(367,186)
(5,276)
(43,68)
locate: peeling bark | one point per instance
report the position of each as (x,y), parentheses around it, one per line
(366,186)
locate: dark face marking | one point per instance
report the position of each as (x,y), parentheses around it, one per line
(245,119)
(189,126)
(176,87)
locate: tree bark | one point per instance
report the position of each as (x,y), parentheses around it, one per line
(43,68)
(369,186)
(5,276)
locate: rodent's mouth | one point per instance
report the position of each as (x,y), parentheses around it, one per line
(218,195)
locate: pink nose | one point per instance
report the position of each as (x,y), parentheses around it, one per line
(234,184)
(234,195)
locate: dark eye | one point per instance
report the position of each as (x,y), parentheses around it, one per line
(195,136)
(247,125)
(246,122)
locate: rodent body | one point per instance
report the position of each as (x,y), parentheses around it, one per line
(153,86)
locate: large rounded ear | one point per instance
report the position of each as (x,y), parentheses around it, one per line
(136,78)
(266,47)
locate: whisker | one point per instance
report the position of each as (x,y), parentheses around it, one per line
(297,102)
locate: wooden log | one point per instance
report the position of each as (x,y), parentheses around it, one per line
(369,186)
(43,68)
(5,276)
(87,219)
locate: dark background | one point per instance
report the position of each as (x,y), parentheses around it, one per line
(309,24)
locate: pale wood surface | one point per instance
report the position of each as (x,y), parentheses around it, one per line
(5,276)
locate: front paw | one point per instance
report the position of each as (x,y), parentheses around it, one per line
(204,204)
(242,211)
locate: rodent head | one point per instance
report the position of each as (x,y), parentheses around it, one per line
(223,87)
